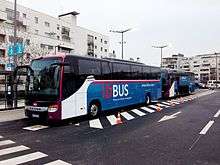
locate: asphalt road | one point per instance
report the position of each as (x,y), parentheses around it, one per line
(189,135)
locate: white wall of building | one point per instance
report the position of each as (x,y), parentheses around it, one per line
(38,35)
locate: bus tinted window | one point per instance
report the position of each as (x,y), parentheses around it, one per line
(106,71)
(121,71)
(136,72)
(89,67)
(146,72)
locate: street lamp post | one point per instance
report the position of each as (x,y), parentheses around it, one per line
(15,33)
(161,52)
(216,61)
(14,54)
(122,39)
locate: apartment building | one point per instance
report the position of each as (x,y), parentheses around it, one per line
(172,62)
(42,34)
(206,66)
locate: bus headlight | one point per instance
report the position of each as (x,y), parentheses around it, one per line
(53,108)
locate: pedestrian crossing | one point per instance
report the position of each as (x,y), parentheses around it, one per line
(111,120)
(9,156)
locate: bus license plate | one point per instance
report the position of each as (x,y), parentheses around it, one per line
(35,116)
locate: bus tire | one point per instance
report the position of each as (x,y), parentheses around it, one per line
(94,109)
(147,99)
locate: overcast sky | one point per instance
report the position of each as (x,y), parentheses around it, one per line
(190,26)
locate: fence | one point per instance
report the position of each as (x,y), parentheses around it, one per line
(12,90)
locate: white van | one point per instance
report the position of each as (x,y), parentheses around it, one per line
(213,84)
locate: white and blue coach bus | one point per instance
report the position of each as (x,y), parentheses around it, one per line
(67,86)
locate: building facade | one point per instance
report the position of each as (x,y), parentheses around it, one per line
(206,66)
(42,34)
(172,62)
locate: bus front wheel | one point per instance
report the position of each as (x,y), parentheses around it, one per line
(94,109)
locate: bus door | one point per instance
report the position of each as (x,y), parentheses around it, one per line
(23,81)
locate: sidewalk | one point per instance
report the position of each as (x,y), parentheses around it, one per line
(11,115)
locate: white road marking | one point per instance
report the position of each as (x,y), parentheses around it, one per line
(112,119)
(173,116)
(166,103)
(154,106)
(148,109)
(217,114)
(77,124)
(95,123)
(35,127)
(127,116)
(175,102)
(166,106)
(58,162)
(23,158)
(13,150)
(139,113)
(206,128)
(6,142)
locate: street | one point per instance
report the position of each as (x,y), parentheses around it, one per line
(182,131)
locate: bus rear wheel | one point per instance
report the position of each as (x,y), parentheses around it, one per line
(94,109)
(147,100)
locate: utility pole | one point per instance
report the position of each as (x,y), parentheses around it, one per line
(15,55)
(122,39)
(216,61)
(15,33)
(161,52)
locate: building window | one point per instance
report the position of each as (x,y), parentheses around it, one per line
(58,27)
(2,38)
(95,47)
(47,24)
(106,50)
(101,49)
(101,40)
(24,15)
(95,38)
(50,47)
(42,46)
(27,41)
(58,37)
(105,42)
(36,32)
(36,19)
(2,53)
(10,14)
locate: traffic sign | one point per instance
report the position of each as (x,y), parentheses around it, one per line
(10,50)
(9,67)
(18,49)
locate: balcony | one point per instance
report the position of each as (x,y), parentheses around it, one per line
(66,38)
(3,16)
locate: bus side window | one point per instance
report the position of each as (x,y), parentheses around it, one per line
(136,72)
(88,68)
(146,73)
(106,72)
(69,82)
(121,71)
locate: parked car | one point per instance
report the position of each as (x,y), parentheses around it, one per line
(212,84)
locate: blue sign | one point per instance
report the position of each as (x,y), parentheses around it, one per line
(9,67)
(18,49)
(10,50)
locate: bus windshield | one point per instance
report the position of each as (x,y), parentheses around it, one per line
(45,84)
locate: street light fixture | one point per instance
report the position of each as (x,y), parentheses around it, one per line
(161,52)
(122,39)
